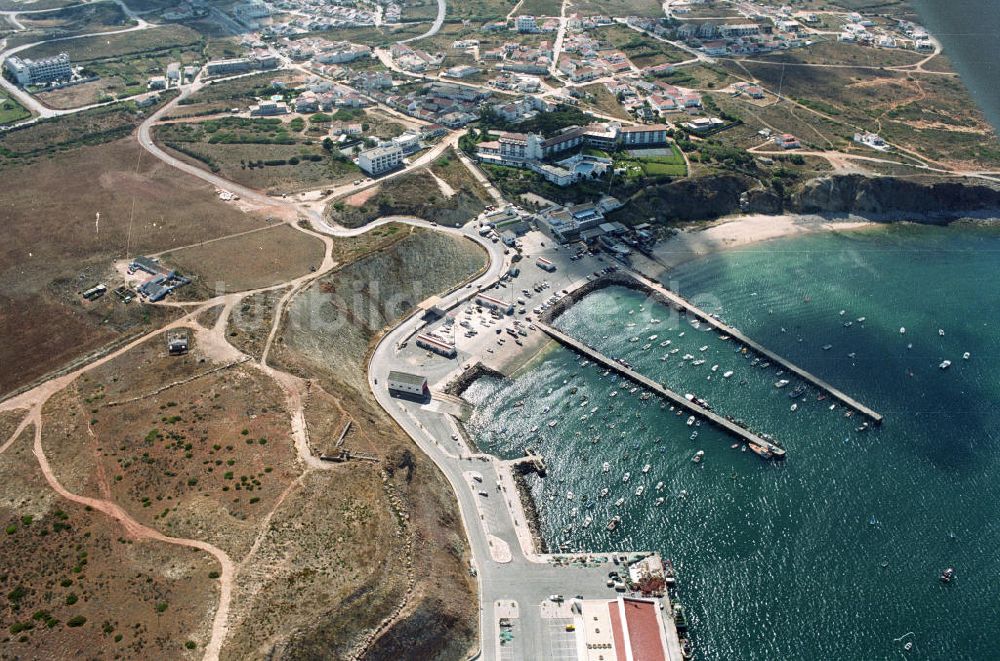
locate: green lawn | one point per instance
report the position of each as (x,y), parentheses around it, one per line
(654,166)
(11,111)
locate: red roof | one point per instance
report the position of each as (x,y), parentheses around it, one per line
(643,630)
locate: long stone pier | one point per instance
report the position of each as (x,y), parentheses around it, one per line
(725,329)
(724,423)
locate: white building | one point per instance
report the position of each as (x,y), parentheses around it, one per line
(408,384)
(525,23)
(380,159)
(34,72)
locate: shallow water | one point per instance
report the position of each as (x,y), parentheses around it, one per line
(781,561)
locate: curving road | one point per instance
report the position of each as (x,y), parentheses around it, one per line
(435,27)
(36,106)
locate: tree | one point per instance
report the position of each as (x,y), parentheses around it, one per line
(327,144)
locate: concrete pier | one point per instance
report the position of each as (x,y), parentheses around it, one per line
(646,382)
(725,329)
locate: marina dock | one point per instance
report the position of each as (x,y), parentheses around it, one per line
(683,304)
(736,430)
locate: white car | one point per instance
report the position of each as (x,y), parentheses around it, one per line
(556,598)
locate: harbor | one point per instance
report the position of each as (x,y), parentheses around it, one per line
(682,304)
(770,448)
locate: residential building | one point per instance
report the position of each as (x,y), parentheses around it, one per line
(787,141)
(644,134)
(380,159)
(525,23)
(35,72)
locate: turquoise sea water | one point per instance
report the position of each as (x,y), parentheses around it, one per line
(781,561)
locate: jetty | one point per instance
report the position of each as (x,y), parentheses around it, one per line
(727,425)
(683,305)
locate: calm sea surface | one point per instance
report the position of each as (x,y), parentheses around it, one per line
(836,552)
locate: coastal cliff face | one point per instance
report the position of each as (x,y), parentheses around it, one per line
(878,198)
(889,197)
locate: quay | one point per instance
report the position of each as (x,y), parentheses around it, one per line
(736,430)
(682,304)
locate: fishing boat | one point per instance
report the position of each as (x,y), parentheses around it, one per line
(587,520)
(698,456)
(948,575)
(759,450)
(945,364)
(639,490)
(619,502)
(645,469)
(626,477)
(723,337)
(605,467)
(613,523)
(604,493)
(798,392)
(781,383)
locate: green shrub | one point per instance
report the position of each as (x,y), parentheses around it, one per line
(77,621)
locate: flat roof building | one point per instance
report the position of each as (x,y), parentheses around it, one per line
(33,72)
(380,159)
(435,345)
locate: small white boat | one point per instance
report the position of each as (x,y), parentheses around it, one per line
(659,501)
(605,467)
(861,320)
(795,407)
(966,355)
(698,456)
(843,312)
(781,383)
(690,421)
(645,469)
(941,332)
(902,330)
(681,334)
(587,520)
(659,486)
(626,477)
(619,502)
(639,490)
(534,429)
(553,423)
(727,374)
(704,348)
(945,364)
(604,493)
(665,343)
(698,362)
(715,368)
(651,338)
(570,495)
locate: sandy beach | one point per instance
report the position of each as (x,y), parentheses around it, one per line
(733,232)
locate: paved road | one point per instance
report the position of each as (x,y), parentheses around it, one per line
(435,27)
(33,104)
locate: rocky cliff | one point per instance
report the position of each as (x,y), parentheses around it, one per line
(888,197)
(879,198)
